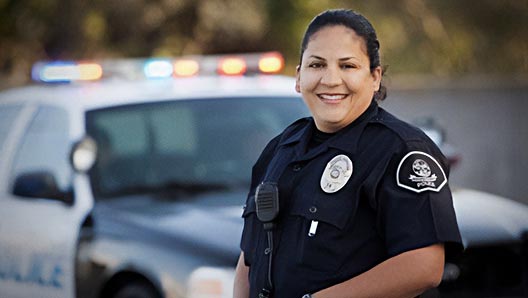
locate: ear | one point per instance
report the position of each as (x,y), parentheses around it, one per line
(298,79)
(377,73)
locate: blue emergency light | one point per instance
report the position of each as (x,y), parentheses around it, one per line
(66,71)
(158,69)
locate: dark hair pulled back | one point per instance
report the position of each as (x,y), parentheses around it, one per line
(356,22)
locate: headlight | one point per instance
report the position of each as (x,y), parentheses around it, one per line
(211,282)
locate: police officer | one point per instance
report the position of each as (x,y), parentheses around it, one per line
(364,208)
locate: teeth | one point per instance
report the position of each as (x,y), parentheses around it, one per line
(332,97)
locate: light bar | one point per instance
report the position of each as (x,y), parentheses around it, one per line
(66,71)
(90,71)
(232,66)
(271,63)
(157,69)
(132,69)
(186,67)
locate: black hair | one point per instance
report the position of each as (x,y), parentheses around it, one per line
(356,22)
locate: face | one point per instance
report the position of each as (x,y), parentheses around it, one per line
(334,77)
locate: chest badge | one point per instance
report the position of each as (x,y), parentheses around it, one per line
(336,174)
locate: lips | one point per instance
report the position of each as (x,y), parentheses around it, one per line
(331,97)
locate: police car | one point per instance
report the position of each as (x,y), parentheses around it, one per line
(125,179)
(125,186)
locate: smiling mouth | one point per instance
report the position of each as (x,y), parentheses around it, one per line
(332,97)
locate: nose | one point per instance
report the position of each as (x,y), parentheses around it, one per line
(331,77)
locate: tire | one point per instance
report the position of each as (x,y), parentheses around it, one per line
(431,293)
(136,290)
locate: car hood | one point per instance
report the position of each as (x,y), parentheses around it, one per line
(207,224)
(484,218)
(212,223)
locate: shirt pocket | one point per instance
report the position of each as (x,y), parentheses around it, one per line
(324,247)
(252,231)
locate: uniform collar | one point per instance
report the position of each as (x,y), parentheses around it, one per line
(346,139)
(299,134)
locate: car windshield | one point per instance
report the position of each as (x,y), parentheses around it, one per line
(184,146)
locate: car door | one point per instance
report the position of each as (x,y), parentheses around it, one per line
(38,234)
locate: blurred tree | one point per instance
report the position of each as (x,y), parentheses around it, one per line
(439,37)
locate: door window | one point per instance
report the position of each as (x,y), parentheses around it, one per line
(8,115)
(45,146)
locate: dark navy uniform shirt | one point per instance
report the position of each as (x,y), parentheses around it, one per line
(375,189)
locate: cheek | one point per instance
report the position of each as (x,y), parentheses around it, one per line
(308,81)
(363,83)
(309,101)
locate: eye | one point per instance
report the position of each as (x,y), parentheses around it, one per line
(316,65)
(348,66)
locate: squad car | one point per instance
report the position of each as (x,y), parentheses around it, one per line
(126,178)
(119,184)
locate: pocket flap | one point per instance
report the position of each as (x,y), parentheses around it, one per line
(250,207)
(333,209)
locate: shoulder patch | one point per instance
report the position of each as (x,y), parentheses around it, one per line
(419,171)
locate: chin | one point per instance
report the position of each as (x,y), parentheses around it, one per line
(331,118)
(329,124)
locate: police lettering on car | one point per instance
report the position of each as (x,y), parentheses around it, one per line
(362,196)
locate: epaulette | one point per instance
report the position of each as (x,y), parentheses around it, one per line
(291,129)
(405,131)
(295,127)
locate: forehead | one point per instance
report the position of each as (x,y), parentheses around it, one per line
(336,38)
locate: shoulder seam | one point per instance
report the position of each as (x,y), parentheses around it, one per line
(407,132)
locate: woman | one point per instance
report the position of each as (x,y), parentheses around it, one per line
(365,208)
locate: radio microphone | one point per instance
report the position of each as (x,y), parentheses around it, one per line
(267,201)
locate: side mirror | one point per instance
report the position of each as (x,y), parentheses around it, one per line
(40,185)
(83,154)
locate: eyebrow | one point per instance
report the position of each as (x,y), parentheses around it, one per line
(340,59)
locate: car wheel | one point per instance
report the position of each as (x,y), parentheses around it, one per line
(431,293)
(136,290)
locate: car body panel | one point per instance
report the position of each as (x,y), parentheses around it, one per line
(167,239)
(36,243)
(484,218)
